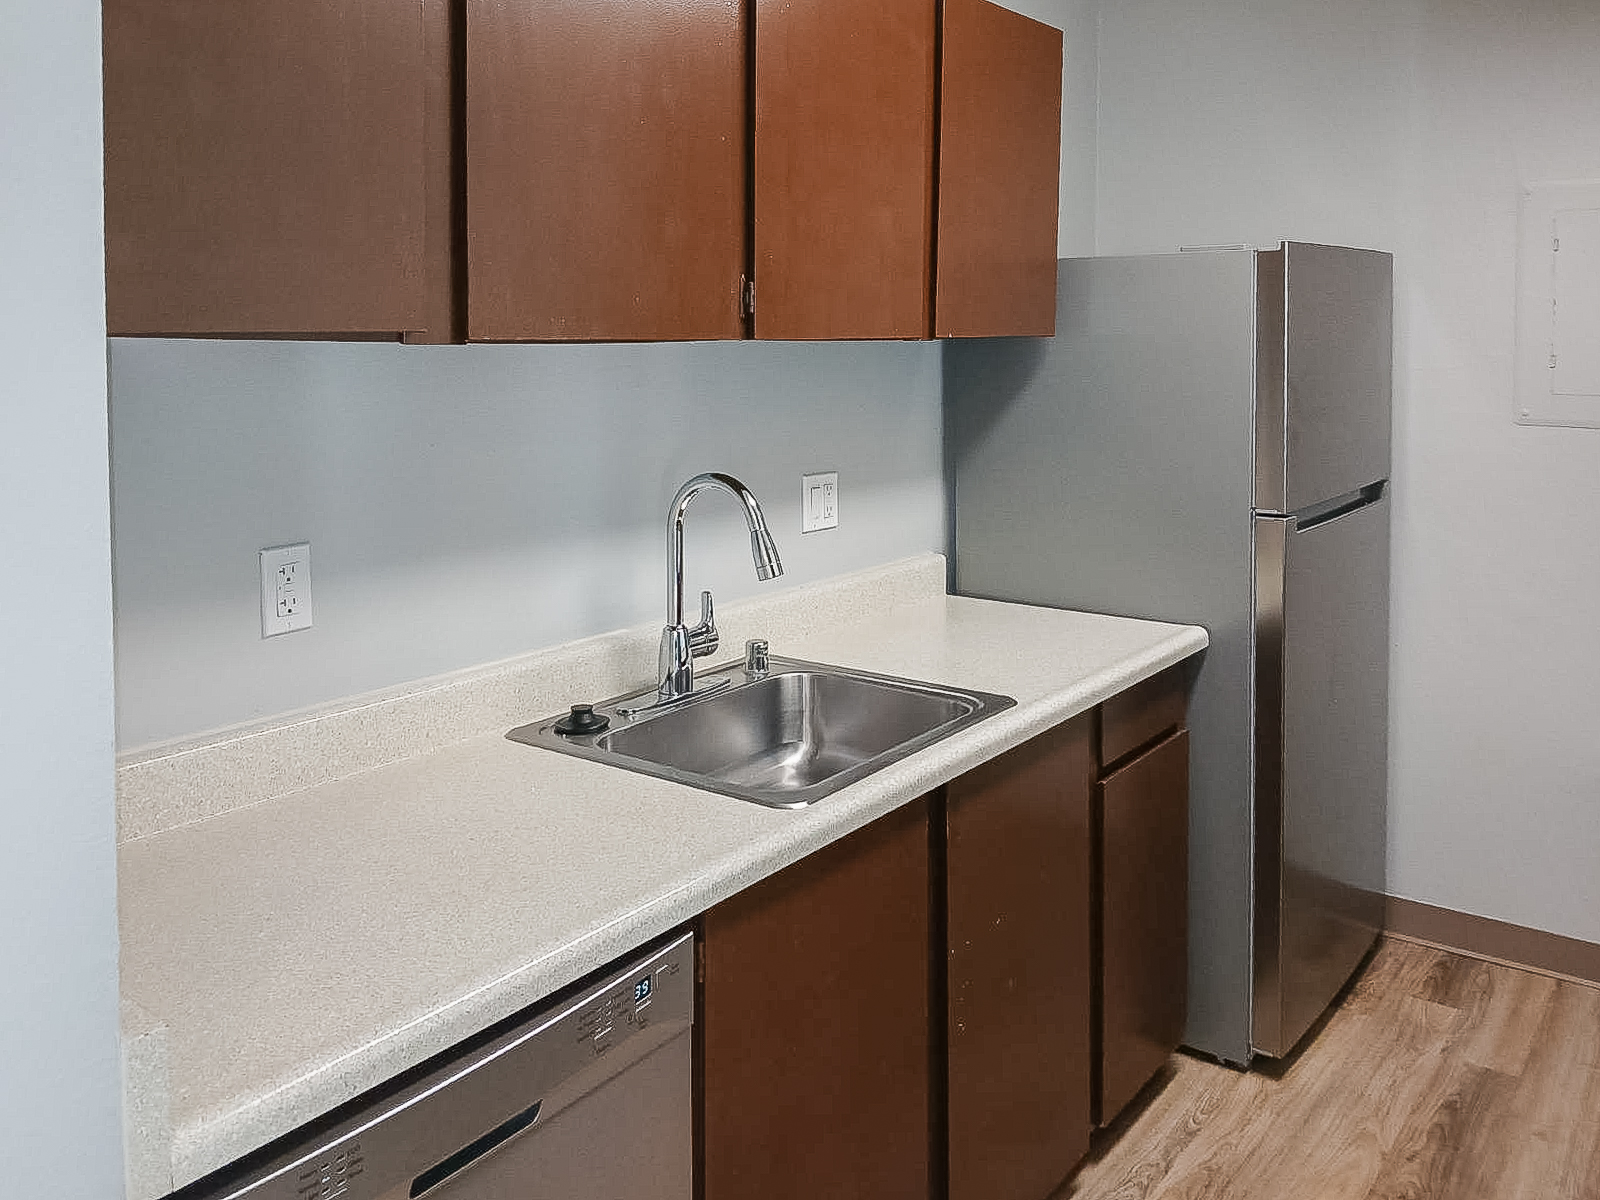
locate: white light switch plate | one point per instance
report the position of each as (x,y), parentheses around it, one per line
(819,501)
(285,589)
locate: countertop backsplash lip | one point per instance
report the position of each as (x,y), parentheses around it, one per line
(171,784)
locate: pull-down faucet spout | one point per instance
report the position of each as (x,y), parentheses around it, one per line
(681,645)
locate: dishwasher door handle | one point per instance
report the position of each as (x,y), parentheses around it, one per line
(454,1164)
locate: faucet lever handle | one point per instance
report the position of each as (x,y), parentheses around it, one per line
(757,658)
(704,638)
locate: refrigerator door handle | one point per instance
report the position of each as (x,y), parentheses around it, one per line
(1327,511)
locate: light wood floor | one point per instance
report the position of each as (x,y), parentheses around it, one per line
(1437,1078)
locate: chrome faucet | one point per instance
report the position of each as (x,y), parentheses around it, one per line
(680,644)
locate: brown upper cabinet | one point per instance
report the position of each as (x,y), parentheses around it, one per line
(580,170)
(605,152)
(999,173)
(263,166)
(844,182)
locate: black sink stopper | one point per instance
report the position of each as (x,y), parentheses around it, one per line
(582,720)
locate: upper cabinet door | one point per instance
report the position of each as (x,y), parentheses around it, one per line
(844,140)
(999,173)
(605,148)
(263,166)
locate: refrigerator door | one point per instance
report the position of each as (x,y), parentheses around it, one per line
(1322,602)
(1324,343)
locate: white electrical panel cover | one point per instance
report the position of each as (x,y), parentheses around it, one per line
(1558,306)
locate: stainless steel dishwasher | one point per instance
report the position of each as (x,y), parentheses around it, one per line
(587,1099)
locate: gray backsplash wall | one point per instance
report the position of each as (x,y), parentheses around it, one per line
(467,503)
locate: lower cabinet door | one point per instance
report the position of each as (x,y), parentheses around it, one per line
(1018,969)
(1144,919)
(816,1045)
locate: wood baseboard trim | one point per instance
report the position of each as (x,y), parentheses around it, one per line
(1496,941)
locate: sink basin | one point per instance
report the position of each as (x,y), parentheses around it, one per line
(785,739)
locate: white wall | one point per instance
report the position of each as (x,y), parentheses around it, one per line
(1411,126)
(468,503)
(60,1094)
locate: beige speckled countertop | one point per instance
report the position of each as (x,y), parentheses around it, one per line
(282,957)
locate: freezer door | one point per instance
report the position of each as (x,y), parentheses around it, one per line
(1325,331)
(1322,670)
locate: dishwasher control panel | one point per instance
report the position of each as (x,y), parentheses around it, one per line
(629,1005)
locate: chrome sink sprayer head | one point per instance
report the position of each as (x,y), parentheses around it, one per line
(765,551)
(681,645)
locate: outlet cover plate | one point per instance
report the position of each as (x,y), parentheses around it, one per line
(819,501)
(285,589)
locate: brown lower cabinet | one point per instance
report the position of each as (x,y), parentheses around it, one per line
(1142,889)
(946,1002)
(1017,898)
(815,1024)
(1144,922)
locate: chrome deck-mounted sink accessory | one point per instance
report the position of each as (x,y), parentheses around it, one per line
(785,737)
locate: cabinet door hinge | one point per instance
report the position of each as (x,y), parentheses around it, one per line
(747,296)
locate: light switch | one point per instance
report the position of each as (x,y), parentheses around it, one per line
(1575,307)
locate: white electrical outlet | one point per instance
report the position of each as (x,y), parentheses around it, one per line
(285,589)
(819,502)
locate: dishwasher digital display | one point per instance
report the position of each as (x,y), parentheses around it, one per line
(641,990)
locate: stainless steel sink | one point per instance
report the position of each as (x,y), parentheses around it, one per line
(784,739)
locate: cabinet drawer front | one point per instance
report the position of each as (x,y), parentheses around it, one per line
(1142,713)
(1144,823)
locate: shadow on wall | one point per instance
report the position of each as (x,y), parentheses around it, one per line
(1000,377)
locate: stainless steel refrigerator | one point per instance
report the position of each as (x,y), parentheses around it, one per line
(1206,440)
